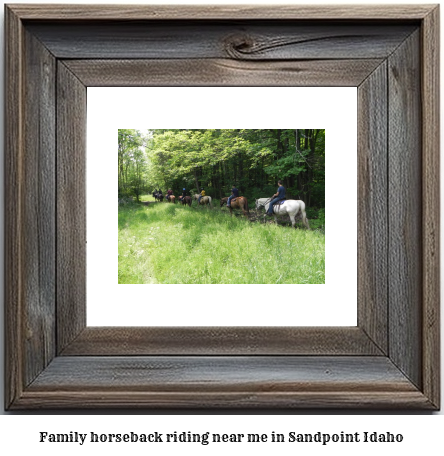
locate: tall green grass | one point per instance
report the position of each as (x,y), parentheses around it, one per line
(166,243)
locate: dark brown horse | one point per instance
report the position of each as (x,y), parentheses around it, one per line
(186,200)
(237,203)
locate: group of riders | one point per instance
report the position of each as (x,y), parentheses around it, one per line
(276,198)
(159,195)
(293,208)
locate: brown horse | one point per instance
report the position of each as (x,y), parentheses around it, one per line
(186,200)
(172,199)
(237,203)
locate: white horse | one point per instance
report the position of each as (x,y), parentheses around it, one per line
(290,207)
(205,200)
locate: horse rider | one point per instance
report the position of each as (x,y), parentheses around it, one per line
(184,194)
(169,193)
(202,193)
(278,196)
(234,194)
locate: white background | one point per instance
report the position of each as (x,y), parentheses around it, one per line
(19,434)
(329,304)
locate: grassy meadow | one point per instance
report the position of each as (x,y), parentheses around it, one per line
(167,243)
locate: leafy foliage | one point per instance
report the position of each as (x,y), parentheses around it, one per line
(132,164)
(253,160)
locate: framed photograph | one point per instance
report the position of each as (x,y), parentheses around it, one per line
(202,256)
(390,359)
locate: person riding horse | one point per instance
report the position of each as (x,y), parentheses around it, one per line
(202,193)
(169,193)
(238,203)
(184,194)
(234,194)
(278,196)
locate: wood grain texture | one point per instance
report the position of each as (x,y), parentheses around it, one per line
(246,401)
(39,190)
(430,93)
(13,209)
(372,207)
(220,12)
(71,206)
(258,40)
(405,209)
(30,226)
(209,373)
(127,341)
(233,382)
(220,72)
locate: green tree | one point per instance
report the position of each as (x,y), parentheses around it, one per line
(251,159)
(132,163)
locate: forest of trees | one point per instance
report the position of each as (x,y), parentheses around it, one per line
(253,160)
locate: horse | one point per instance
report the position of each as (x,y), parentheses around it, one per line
(158,196)
(239,202)
(204,200)
(186,200)
(172,199)
(290,207)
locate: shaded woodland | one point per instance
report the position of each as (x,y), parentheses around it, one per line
(253,160)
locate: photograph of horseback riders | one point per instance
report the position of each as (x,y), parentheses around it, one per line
(221,206)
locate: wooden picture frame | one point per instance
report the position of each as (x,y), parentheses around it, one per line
(390,360)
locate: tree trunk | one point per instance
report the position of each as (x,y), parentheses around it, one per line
(196,179)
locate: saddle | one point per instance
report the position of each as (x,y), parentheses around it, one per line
(279,203)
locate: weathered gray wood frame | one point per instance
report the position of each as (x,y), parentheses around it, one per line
(390,360)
